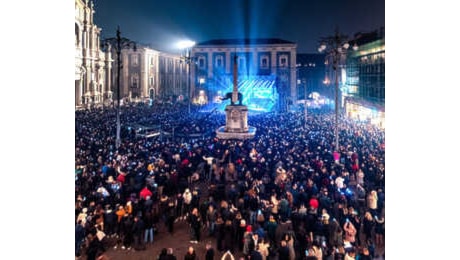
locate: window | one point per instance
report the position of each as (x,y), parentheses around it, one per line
(283,61)
(134,59)
(264,62)
(135,80)
(201,62)
(219,62)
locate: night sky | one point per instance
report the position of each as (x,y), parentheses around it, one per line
(162,23)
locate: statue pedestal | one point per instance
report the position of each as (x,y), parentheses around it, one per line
(236,124)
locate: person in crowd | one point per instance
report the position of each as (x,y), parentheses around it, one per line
(187,201)
(79,237)
(190,254)
(364,254)
(211,217)
(255,255)
(283,251)
(110,221)
(195,226)
(220,233)
(101,236)
(368,226)
(350,254)
(350,231)
(170,254)
(209,255)
(170,216)
(241,230)
(372,201)
(271,227)
(148,229)
(163,254)
(316,251)
(229,237)
(289,238)
(138,231)
(379,230)
(94,247)
(263,248)
(128,234)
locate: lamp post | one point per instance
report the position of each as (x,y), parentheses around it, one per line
(336,47)
(119,43)
(186,47)
(305,103)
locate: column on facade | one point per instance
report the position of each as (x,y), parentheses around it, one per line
(156,73)
(255,62)
(143,79)
(124,88)
(273,62)
(108,72)
(191,71)
(210,64)
(227,62)
(292,76)
(84,78)
(84,39)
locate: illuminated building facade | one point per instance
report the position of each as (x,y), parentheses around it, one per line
(259,60)
(145,73)
(92,65)
(364,88)
(150,74)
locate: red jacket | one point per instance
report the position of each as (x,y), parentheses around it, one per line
(145,192)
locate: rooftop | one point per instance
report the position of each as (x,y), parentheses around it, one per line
(245,41)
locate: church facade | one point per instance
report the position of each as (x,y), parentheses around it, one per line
(92,65)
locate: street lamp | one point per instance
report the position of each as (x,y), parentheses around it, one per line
(119,43)
(186,47)
(336,47)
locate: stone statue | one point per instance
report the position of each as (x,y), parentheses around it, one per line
(229,96)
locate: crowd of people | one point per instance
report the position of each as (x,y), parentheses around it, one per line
(285,193)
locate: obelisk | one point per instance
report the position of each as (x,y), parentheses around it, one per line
(236,123)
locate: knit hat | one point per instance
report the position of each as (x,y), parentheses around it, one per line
(248,228)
